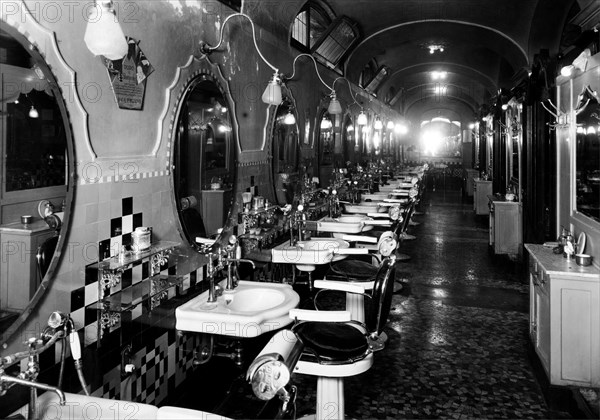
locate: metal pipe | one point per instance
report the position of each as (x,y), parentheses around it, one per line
(37,385)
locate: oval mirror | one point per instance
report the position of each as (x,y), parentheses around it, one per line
(325,143)
(285,150)
(204,157)
(349,140)
(35,193)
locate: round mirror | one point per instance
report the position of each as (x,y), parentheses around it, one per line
(35,193)
(285,151)
(203,157)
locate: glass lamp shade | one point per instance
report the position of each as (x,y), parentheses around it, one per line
(103,34)
(378,124)
(33,113)
(272,93)
(335,108)
(289,119)
(362,118)
(390,125)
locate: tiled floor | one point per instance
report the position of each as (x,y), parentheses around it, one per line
(458,335)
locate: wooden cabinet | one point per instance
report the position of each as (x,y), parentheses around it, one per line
(470,176)
(564,316)
(215,207)
(19,277)
(506,229)
(481,190)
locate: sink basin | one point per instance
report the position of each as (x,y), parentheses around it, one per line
(252,309)
(378,196)
(78,406)
(81,406)
(307,254)
(363,208)
(344,224)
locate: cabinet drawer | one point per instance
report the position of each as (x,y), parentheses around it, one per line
(539,277)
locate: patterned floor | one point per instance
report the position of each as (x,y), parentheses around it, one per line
(458,334)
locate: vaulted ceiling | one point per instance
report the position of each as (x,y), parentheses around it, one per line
(487,45)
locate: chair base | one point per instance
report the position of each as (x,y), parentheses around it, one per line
(377,343)
(407,237)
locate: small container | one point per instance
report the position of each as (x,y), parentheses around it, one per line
(140,239)
(583,259)
(26,219)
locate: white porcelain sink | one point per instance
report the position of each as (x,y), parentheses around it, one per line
(363,208)
(344,224)
(307,254)
(252,309)
(79,406)
(378,196)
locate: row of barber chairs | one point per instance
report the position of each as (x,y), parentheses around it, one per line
(332,345)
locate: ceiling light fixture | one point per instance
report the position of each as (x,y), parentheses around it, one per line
(378,124)
(435,47)
(103,34)
(272,94)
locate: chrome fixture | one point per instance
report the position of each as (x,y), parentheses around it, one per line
(29,376)
(272,94)
(233,253)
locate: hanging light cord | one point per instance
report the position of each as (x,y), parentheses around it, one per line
(205,48)
(350,89)
(316,70)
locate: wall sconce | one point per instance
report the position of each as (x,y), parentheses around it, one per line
(580,63)
(289,118)
(362,118)
(334,108)
(378,124)
(390,125)
(33,113)
(326,123)
(272,94)
(103,34)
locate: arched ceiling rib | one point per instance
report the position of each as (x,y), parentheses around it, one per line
(486,43)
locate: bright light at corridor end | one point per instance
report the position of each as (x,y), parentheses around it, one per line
(401,128)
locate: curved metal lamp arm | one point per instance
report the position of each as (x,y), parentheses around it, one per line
(207,49)
(349,88)
(285,78)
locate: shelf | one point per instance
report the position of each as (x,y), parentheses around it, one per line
(130,297)
(117,263)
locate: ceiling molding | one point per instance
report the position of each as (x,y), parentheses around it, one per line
(429,21)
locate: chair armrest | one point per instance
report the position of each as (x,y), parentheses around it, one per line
(342,286)
(358,238)
(380,215)
(378,222)
(319,316)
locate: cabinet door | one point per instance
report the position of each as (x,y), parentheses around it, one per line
(576,332)
(541,323)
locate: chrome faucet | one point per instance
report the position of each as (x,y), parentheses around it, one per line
(28,377)
(297,220)
(232,257)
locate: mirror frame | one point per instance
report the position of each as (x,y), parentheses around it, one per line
(579,107)
(42,46)
(186,78)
